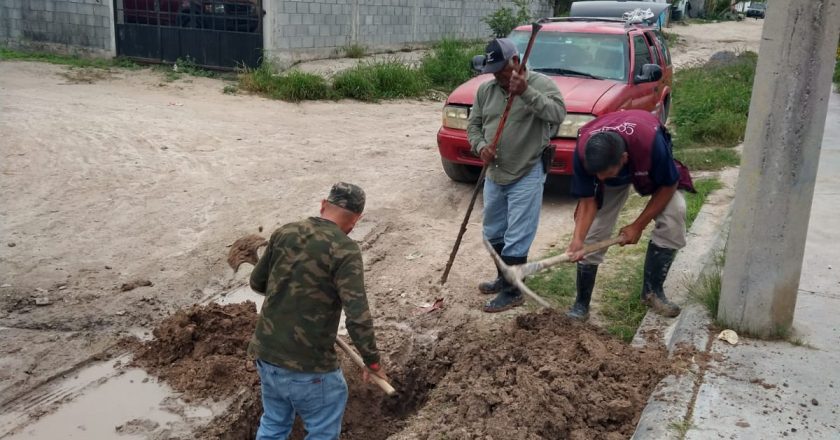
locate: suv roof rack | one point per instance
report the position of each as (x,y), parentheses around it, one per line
(601,19)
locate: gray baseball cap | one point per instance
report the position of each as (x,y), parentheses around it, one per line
(498,52)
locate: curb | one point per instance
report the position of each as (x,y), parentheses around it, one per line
(673,396)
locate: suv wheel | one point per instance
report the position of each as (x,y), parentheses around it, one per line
(459,172)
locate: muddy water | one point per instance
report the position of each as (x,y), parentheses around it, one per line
(102,401)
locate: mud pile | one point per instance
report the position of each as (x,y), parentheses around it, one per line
(201,351)
(544,377)
(539,377)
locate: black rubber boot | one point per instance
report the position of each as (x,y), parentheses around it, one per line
(509,297)
(657,264)
(585,283)
(495,286)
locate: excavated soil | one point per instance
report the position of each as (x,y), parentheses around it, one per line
(544,377)
(541,376)
(201,351)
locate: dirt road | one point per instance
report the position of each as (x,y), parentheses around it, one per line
(126,180)
(132,179)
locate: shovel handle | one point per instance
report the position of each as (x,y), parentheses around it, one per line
(531,268)
(382,383)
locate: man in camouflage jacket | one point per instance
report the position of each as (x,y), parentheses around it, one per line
(310,271)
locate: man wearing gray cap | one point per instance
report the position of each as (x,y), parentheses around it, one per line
(311,271)
(517,167)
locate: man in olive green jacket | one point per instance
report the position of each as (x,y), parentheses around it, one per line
(518,164)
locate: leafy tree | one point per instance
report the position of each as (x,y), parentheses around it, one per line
(505,19)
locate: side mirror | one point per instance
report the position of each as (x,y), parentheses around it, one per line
(650,73)
(478,63)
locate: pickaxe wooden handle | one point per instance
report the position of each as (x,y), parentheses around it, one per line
(389,390)
(515,274)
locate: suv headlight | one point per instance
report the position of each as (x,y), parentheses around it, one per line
(573,122)
(456,116)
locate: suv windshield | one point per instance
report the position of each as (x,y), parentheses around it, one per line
(571,54)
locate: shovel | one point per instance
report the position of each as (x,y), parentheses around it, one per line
(515,274)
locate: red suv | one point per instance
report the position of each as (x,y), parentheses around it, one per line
(600,66)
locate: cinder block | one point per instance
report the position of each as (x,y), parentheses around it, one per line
(295,19)
(282,19)
(101,32)
(314,8)
(84,9)
(307,42)
(308,19)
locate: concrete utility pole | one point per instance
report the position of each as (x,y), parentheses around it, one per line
(779,169)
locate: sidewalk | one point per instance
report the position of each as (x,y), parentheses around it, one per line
(762,390)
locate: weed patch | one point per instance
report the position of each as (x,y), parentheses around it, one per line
(291,86)
(380,80)
(708,159)
(68,60)
(449,63)
(711,102)
(706,290)
(355,51)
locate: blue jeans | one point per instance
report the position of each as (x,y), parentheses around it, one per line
(319,399)
(512,212)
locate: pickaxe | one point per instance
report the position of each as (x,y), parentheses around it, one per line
(515,274)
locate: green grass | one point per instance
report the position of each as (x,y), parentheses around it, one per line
(672,39)
(708,159)
(67,60)
(681,428)
(188,66)
(355,51)
(293,85)
(557,284)
(380,80)
(836,78)
(706,290)
(695,201)
(449,63)
(710,103)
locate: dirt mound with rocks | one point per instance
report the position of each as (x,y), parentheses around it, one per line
(201,351)
(541,376)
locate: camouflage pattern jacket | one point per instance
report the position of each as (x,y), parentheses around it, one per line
(309,272)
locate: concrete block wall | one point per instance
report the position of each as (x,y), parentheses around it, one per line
(59,25)
(307,29)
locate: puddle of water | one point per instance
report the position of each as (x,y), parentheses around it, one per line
(95,401)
